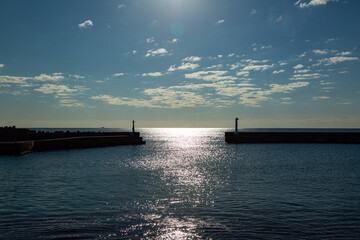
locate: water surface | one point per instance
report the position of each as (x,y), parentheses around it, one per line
(184,183)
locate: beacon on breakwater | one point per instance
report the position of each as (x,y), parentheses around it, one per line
(291,137)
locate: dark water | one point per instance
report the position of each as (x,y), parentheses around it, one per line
(183,184)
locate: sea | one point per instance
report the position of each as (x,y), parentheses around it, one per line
(184,183)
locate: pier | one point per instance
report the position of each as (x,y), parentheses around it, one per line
(291,137)
(14,141)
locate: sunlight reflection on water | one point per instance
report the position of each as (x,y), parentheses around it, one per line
(183,161)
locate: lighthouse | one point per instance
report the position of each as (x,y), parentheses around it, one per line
(236,125)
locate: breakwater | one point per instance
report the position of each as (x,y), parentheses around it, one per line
(15,141)
(292,137)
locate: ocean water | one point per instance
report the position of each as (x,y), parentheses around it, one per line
(183,184)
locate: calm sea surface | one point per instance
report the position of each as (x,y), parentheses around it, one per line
(183,184)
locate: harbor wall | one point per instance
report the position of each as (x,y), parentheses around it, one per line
(103,140)
(16,148)
(292,137)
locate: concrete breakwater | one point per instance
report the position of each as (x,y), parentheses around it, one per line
(292,137)
(20,141)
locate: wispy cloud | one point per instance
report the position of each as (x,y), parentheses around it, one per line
(44,77)
(60,90)
(210,75)
(2,65)
(150,40)
(77,76)
(220,21)
(335,60)
(215,66)
(307,76)
(302,71)
(118,74)
(298,66)
(13,79)
(252,67)
(41,78)
(152,74)
(121,6)
(313,3)
(192,59)
(278,71)
(320,98)
(70,103)
(86,24)
(184,66)
(158,98)
(243,73)
(322,52)
(330,40)
(158,52)
(253,11)
(254,98)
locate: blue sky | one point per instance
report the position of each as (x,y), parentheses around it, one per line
(180,63)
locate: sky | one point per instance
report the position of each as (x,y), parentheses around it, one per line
(180,63)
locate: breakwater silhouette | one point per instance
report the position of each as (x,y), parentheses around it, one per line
(292,137)
(21,140)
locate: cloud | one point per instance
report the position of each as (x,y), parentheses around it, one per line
(252,67)
(121,6)
(76,76)
(278,71)
(44,77)
(302,71)
(215,66)
(192,59)
(253,98)
(286,88)
(60,90)
(320,98)
(2,65)
(344,53)
(260,46)
(312,3)
(236,65)
(243,73)
(184,66)
(118,74)
(322,52)
(298,66)
(265,47)
(210,75)
(150,40)
(220,21)
(335,60)
(231,55)
(152,74)
(158,98)
(307,76)
(70,103)
(12,79)
(253,11)
(134,52)
(158,52)
(330,40)
(86,24)
(175,40)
